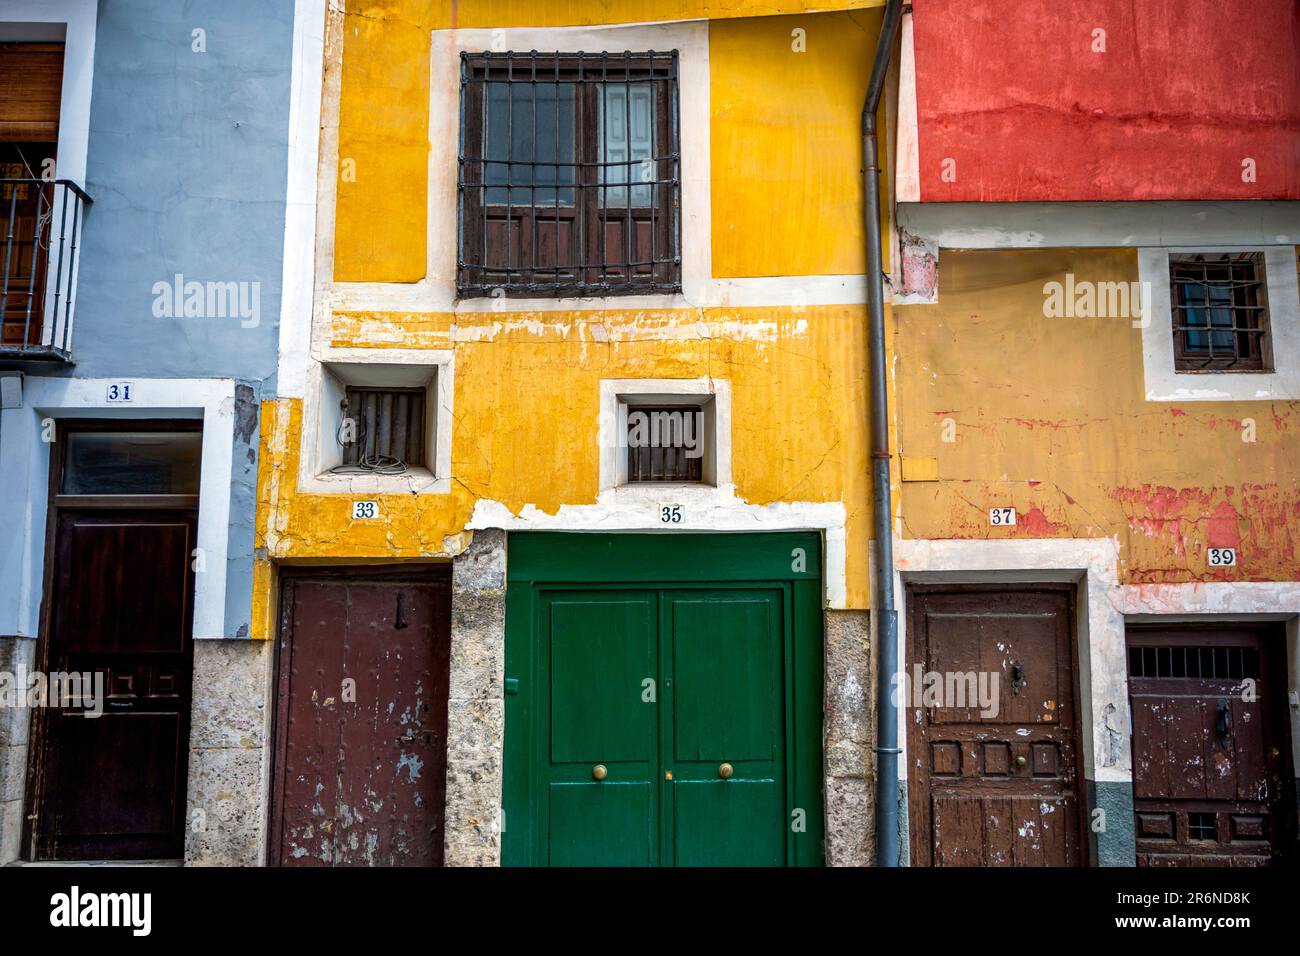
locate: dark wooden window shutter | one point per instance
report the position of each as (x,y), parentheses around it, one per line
(31,85)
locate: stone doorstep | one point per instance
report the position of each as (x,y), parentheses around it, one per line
(72,864)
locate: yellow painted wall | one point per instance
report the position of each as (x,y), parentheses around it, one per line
(526,410)
(1051,418)
(786,143)
(786,150)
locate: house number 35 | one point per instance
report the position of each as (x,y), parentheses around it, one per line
(670,514)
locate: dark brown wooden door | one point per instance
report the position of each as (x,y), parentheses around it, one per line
(113,786)
(1212,772)
(361,741)
(994,782)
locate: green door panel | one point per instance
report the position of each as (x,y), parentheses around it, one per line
(602,824)
(603,649)
(729,823)
(636,666)
(726,658)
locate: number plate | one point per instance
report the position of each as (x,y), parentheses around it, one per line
(1222,557)
(670,514)
(365,510)
(120,392)
(1002,517)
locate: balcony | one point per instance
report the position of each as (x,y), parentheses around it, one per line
(41,223)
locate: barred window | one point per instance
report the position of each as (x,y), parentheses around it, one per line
(570,174)
(1220,313)
(387,428)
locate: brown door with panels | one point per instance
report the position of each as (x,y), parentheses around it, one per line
(992,727)
(1212,776)
(361,722)
(110,753)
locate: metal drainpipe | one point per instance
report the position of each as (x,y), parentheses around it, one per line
(882,608)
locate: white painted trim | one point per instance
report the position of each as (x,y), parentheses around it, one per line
(24,474)
(437,291)
(439,366)
(615,392)
(1033,225)
(907,157)
(1101,658)
(1165,384)
(300,195)
(1104,607)
(78,19)
(703,509)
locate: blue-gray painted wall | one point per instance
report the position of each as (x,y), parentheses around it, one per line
(187,166)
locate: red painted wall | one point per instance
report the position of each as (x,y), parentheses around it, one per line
(1012,92)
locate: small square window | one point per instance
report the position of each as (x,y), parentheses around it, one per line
(1220,312)
(665,443)
(383,428)
(1201,827)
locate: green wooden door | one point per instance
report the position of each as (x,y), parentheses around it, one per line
(723,712)
(661,723)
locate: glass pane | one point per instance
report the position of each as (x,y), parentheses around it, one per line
(627,138)
(132,463)
(532,127)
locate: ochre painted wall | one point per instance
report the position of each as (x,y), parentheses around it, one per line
(1016,97)
(1051,418)
(526,409)
(786,144)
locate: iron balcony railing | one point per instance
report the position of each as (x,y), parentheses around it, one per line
(41,223)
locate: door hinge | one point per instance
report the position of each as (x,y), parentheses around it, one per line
(512,685)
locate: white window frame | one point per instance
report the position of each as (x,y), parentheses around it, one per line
(385,368)
(714,398)
(1165,383)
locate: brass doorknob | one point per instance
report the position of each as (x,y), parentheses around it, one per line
(599,772)
(1021,761)
(725,771)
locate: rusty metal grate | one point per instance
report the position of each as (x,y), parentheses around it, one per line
(569,174)
(1201,663)
(665,443)
(1220,312)
(389,427)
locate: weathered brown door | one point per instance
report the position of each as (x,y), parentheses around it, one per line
(114,785)
(118,615)
(1211,749)
(993,778)
(361,735)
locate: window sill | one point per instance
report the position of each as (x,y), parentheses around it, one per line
(414,481)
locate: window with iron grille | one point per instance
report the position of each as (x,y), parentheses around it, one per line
(1220,313)
(665,443)
(570,174)
(1200,663)
(387,427)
